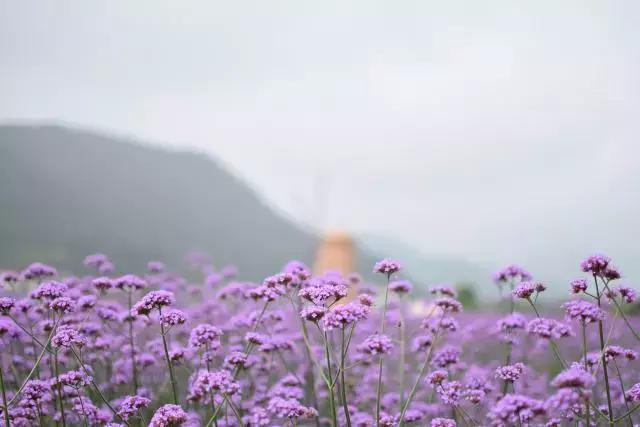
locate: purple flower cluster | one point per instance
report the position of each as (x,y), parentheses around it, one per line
(304,349)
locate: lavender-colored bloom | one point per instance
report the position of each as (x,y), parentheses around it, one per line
(290,408)
(633,394)
(68,336)
(169,416)
(376,344)
(578,285)
(95,260)
(584,311)
(627,293)
(548,328)
(342,316)
(75,379)
(321,290)
(156,267)
(421,343)
(313,313)
(35,390)
(400,287)
(213,382)
(524,290)
(9,277)
(510,372)
(103,284)
(574,377)
(173,318)
(131,406)
(38,270)
(63,305)
(448,304)
(152,300)
(448,355)
(515,409)
(387,266)
(49,290)
(203,335)
(130,282)
(437,377)
(444,290)
(511,272)
(443,422)
(511,322)
(6,304)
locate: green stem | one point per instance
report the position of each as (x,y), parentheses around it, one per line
(35,367)
(381,359)
(332,403)
(626,404)
(97,389)
(343,382)
(412,393)
(604,361)
(168,358)
(134,369)
(584,349)
(5,407)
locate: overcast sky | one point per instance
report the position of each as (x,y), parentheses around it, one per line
(500,131)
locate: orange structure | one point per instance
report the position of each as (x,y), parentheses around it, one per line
(335,253)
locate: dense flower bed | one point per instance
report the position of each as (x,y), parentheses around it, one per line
(115,350)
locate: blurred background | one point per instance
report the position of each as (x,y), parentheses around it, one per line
(455,136)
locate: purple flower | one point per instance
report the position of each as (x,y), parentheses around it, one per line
(510,372)
(400,287)
(75,379)
(437,377)
(169,416)
(321,290)
(156,267)
(511,322)
(49,290)
(131,406)
(511,272)
(443,422)
(578,285)
(627,293)
(514,409)
(102,284)
(387,266)
(376,344)
(212,382)
(290,408)
(68,336)
(204,335)
(584,311)
(574,377)
(96,260)
(38,270)
(9,277)
(344,315)
(6,304)
(130,282)
(63,305)
(313,313)
(448,355)
(524,290)
(548,328)
(173,318)
(152,300)
(448,304)
(595,264)
(633,394)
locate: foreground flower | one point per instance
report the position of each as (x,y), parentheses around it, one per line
(131,406)
(387,266)
(376,344)
(344,315)
(290,408)
(169,416)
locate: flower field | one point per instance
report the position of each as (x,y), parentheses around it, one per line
(301,350)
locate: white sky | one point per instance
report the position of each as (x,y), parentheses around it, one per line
(500,131)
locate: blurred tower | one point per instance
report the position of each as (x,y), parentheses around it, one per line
(335,253)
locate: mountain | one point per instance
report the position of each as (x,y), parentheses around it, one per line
(65,193)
